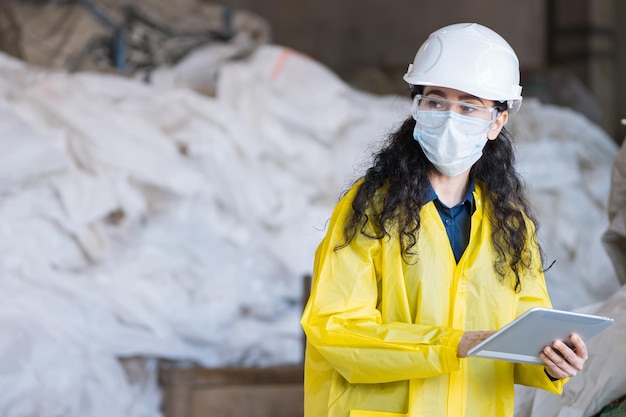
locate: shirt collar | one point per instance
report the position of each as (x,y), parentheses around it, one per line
(431,195)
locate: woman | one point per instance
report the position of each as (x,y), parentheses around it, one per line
(430,252)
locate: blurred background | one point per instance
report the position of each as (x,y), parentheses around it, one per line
(168,168)
(571,51)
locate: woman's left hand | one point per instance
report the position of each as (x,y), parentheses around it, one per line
(561,361)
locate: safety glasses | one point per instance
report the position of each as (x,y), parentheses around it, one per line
(433,112)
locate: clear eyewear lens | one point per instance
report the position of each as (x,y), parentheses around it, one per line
(434,112)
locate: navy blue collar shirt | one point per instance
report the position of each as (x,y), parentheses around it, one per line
(457,219)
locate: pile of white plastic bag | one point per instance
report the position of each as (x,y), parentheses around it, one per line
(154,222)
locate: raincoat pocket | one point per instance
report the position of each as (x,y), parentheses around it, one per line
(370,413)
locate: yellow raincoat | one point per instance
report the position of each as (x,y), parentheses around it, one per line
(382,335)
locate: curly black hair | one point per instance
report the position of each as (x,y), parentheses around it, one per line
(394,189)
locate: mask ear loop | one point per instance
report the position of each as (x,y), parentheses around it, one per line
(500,107)
(494,126)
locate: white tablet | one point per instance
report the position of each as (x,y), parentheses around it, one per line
(523,338)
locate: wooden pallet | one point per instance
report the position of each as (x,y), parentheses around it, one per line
(232,392)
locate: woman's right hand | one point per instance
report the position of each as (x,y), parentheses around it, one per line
(471,339)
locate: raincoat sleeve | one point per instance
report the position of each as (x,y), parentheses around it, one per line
(535,294)
(342,322)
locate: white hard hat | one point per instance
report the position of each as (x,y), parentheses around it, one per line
(472,58)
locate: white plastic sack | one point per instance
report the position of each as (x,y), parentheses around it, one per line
(602,380)
(566,161)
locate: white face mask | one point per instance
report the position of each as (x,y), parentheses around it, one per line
(449,150)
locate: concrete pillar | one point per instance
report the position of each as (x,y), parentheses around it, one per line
(620,82)
(582,39)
